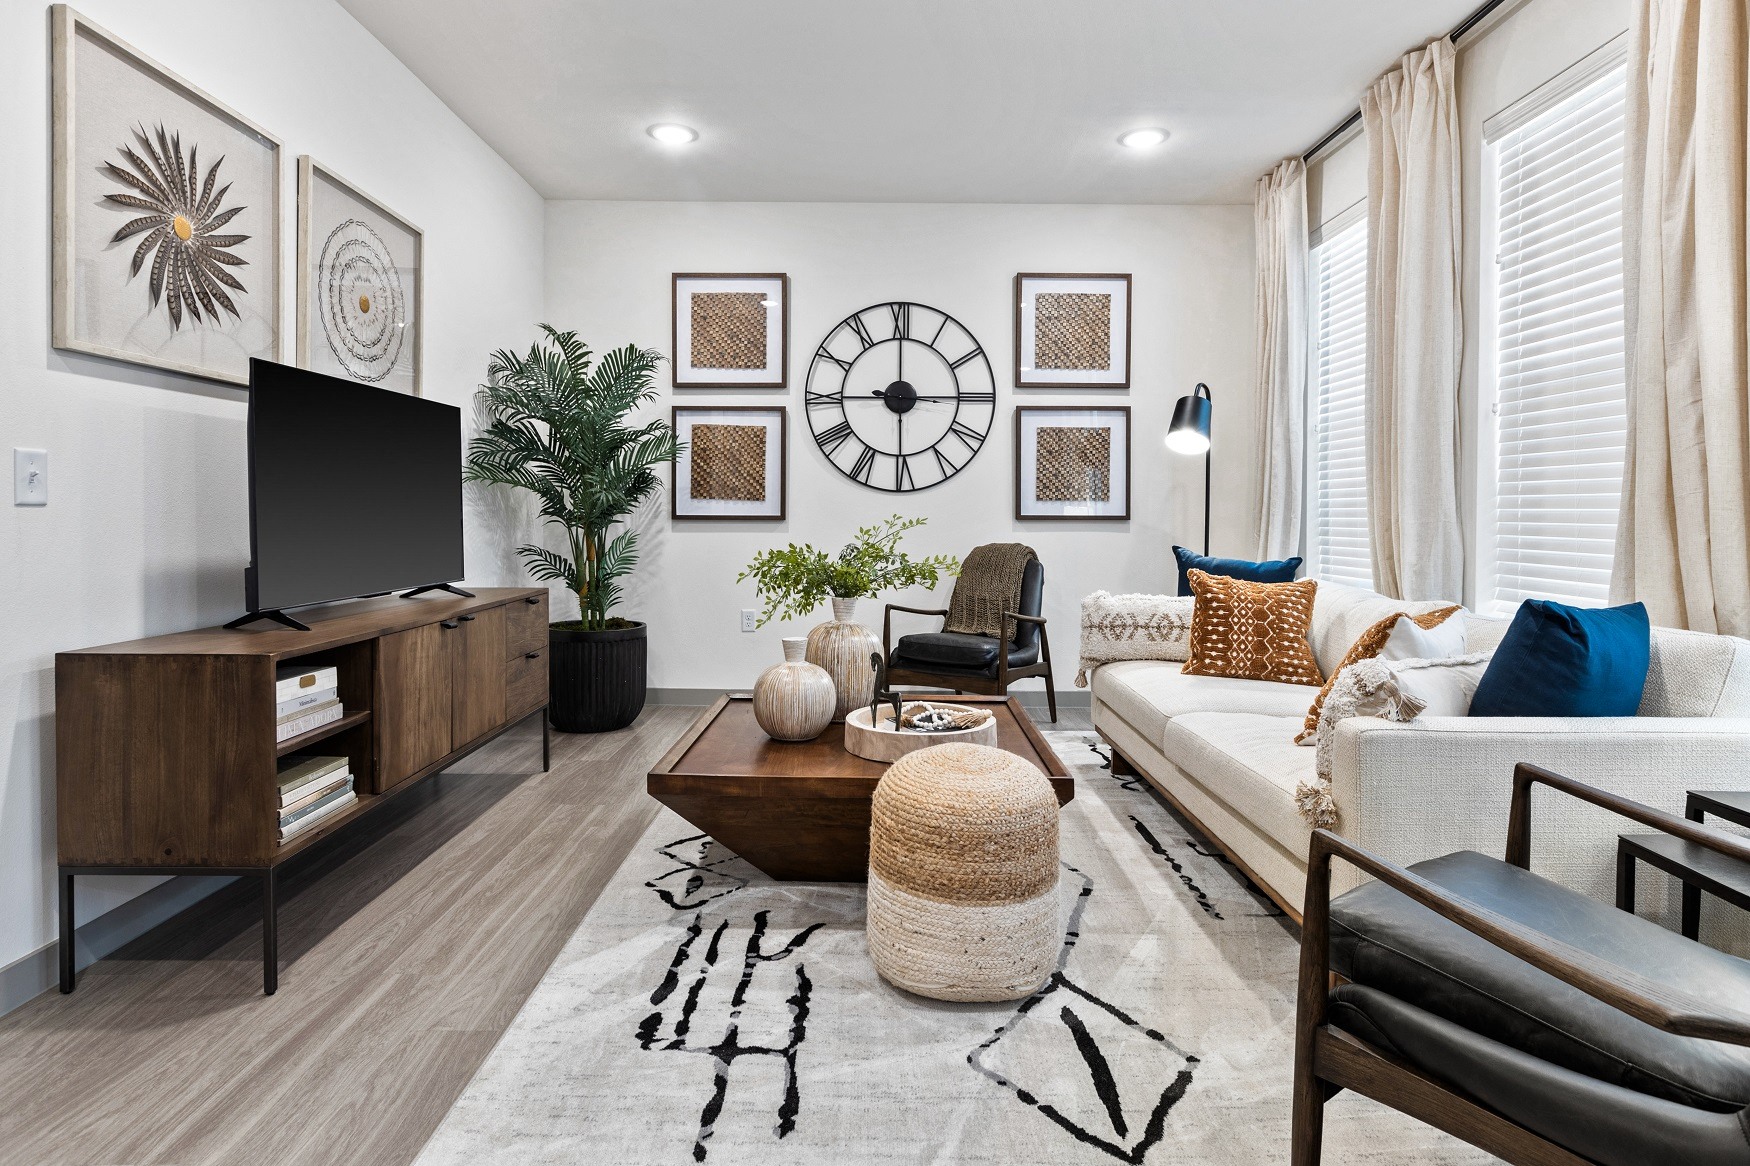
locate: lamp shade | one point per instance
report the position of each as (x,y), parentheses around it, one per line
(1189,431)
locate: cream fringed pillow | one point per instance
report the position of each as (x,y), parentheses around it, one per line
(1371,643)
(1133,627)
(1252,631)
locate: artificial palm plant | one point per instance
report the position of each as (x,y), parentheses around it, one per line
(559,428)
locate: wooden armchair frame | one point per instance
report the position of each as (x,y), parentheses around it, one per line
(1328,1060)
(961,682)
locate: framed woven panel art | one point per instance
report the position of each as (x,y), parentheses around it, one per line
(1072,463)
(731,331)
(732,464)
(1072,331)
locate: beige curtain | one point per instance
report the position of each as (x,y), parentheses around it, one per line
(1279,226)
(1681,544)
(1415,337)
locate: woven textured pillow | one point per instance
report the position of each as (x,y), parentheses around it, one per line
(1371,643)
(1133,627)
(1252,631)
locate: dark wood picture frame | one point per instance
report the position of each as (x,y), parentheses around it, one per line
(674,467)
(1125,516)
(674,330)
(1023,381)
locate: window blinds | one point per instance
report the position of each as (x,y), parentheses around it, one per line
(1337,542)
(1559,367)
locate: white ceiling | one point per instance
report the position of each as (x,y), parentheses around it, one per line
(901,100)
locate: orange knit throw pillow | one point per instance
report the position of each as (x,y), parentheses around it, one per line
(1371,644)
(1252,631)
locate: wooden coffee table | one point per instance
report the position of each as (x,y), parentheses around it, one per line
(799,810)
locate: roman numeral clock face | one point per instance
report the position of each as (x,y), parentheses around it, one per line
(900,397)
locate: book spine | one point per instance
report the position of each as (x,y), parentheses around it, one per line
(290,789)
(291,686)
(287,820)
(314,792)
(287,833)
(308,700)
(308,721)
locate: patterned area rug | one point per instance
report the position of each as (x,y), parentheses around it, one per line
(703,1013)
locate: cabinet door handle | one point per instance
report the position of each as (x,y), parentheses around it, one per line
(531,655)
(531,600)
(465,618)
(451,624)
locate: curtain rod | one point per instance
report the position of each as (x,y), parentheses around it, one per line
(1465,26)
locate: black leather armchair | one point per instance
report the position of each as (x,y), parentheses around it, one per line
(1529,1020)
(983,664)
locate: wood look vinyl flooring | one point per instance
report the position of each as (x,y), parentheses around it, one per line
(406,947)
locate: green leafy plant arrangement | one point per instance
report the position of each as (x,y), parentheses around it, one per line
(557,427)
(795,580)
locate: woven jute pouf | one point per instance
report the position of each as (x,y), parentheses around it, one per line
(963,875)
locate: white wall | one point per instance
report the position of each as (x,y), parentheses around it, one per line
(146,530)
(608,267)
(1513,54)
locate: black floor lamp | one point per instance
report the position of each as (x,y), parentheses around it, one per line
(1189,434)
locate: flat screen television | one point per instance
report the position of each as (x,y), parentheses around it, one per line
(353,490)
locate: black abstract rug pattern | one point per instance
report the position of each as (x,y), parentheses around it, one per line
(704,1013)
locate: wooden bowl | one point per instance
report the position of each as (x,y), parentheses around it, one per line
(882,743)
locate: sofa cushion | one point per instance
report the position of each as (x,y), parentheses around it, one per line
(1563,661)
(1695,674)
(1342,613)
(1251,763)
(1149,693)
(1381,939)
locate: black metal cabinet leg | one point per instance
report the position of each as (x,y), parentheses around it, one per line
(1691,911)
(270,935)
(66,946)
(1625,881)
(546,743)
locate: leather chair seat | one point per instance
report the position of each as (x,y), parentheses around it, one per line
(973,655)
(1476,1017)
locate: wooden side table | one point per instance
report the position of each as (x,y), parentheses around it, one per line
(1699,869)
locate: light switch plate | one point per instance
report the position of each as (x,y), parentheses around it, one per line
(30,477)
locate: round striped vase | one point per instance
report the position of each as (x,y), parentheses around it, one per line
(794,701)
(963,873)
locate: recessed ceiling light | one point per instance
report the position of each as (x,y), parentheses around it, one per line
(671,134)
(1142,139)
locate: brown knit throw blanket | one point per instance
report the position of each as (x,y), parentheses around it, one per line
(990,584)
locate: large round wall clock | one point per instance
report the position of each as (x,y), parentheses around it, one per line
(900,397)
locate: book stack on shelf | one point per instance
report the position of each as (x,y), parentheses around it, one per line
(308,699)
(312,790)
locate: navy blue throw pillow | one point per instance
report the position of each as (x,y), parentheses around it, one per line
(1275,571)
(1561,661)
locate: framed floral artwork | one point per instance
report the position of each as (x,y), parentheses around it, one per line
(1072,462)
(361,284)
(166,214)
(1072,331)
(731,331)
(732,463)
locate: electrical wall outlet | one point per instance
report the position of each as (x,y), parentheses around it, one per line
(750,619)
(30,477)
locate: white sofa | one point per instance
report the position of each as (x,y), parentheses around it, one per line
(1223,752)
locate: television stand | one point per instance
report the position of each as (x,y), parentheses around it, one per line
(450,587)
(275,615)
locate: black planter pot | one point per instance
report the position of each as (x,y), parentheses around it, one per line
(596,680)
